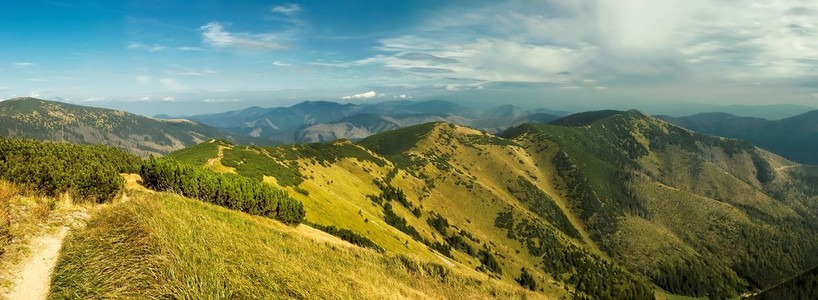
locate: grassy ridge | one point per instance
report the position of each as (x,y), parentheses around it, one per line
(159,246)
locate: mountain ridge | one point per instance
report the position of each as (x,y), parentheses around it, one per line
(795,138)
(26,117)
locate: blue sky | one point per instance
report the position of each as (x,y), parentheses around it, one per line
(185,57)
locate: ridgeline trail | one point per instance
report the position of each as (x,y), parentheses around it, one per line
(34,276)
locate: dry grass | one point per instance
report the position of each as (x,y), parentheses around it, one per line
(22,217)
(158,245)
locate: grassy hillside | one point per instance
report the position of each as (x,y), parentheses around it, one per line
(57,121)
(621,206)
(160,245)
(692,212)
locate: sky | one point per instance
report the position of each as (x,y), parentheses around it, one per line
(189,57)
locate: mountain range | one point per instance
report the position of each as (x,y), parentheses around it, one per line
(57,121)
(322,121)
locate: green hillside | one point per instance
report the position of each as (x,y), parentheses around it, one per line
(624,206)
(57,121)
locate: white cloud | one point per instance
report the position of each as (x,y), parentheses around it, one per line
(34,94)
(221,100)
(145,98)
(402,96)
(615,42)
(169,99)
(192,72)
(23,65)
(452,88)
(95,99)
(213,34)
(287,9)
(482,59)
(367,95)
(149,48)
(281,64)
(190,49)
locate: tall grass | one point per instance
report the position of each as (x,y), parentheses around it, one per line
(165,246)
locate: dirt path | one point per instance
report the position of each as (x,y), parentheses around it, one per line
(34,278)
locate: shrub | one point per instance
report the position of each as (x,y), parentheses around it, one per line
(234,192)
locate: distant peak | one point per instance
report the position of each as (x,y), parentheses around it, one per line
(588,118)
(25,99)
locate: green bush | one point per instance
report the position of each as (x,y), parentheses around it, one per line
(348,235)
(87,172)
(234,192)
(526,280)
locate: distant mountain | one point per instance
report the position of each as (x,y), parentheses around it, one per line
(585,118)
(359,126)
(768,111)
(323,121)
(57,121)
(795,138)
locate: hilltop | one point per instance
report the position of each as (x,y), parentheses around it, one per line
(618,198)
(57,121)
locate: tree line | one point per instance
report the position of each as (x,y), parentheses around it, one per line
(230,191)
(89,173)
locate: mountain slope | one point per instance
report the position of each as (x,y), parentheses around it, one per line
(675,187)
(795,138)
(56,121)
(623,206)
(160,245)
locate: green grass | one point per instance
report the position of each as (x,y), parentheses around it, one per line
(198,154)
(324,153)
(252,162)
(159,246)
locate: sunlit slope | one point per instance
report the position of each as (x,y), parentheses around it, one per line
(159,245)
(620,205)
(332,181)
(459,184)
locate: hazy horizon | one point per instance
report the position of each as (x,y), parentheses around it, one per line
(182,58)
